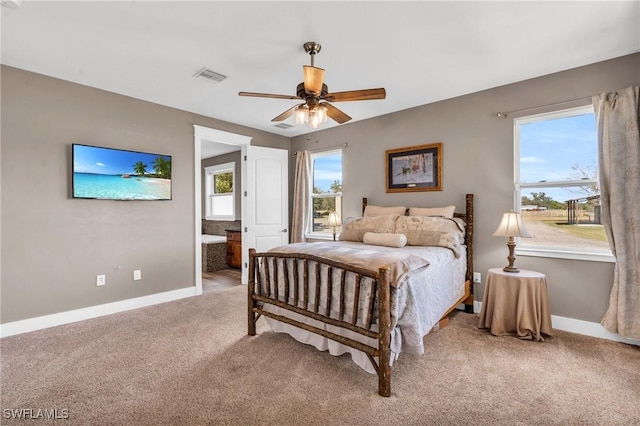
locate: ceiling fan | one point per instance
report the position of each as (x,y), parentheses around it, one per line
(316,107)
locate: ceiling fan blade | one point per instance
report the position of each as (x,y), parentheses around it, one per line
(268,95)
(356,95)
(288,113)
(335,114)
(313,78)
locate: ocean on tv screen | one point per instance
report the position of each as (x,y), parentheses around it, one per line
(120,187)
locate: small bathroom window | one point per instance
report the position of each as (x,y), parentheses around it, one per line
(220,192)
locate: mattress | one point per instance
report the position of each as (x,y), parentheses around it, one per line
(417,305)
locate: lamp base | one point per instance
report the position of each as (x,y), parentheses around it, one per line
(511,258)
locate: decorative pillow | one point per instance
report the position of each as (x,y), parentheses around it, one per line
(385,239)
(432,211)
(372,211)
(432,231)
(354,228)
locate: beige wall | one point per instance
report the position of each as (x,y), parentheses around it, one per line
(53,246)
(478,158)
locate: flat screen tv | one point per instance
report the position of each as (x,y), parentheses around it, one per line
(116,174)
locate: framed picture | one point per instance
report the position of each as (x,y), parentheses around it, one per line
(415,168)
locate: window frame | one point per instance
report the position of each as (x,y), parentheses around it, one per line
(558,252)
(210,172)
(310,233)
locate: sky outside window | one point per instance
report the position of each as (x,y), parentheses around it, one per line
(326,170)
(550,149)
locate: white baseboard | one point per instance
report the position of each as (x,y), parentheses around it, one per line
(587,328)
(476,307)
(32,324)
(572,325)
(46,321)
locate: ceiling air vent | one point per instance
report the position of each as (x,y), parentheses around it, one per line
(12,4)
(210,75)
(283,126)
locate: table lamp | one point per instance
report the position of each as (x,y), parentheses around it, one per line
(511,226)
(334,220)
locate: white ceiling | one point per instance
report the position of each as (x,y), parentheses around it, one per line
(421,52)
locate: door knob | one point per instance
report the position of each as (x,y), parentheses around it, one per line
(284,230)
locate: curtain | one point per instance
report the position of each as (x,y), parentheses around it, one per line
(301,185)
(619,166)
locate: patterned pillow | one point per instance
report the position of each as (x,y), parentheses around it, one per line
(432,231)
(354,228)
(371,211)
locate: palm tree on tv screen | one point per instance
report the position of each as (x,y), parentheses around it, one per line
(140,168)
(162,166)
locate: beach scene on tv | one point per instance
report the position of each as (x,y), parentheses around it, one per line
(114,174)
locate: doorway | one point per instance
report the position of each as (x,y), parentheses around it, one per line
(264,203)
(205,137)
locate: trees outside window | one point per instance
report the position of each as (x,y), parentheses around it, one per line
(326,196)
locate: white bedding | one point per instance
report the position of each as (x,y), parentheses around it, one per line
(416,306)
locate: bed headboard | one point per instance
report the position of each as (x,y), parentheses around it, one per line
(467,216)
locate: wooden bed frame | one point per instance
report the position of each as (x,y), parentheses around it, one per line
(308,264)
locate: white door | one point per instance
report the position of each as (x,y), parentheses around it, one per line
(265,212)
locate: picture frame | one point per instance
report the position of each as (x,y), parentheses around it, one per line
(414,168)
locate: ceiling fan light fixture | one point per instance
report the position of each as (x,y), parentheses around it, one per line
(317,116)
(317,107)
(321,113)
(302,114)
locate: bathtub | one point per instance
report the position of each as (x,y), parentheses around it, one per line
(214,252)
(212,239)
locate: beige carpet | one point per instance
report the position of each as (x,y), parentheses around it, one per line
(190,362)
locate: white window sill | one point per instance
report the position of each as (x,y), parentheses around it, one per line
(592,256)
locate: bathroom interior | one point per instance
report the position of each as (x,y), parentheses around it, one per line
(221,239)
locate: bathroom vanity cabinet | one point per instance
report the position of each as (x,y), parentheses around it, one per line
(234,248)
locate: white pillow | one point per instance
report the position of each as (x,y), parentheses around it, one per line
(371,211)
(385,239)
(446,211)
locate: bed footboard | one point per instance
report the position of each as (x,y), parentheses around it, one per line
(332,293)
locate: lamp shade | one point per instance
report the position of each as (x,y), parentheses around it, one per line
(334,219)
(511,226)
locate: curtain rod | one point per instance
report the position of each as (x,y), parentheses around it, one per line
(506,114)
(327,148)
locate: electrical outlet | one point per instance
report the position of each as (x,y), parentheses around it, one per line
(477,277)
(137,275)
(101,280)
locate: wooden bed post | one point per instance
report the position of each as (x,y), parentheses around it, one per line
(384,341)
(251,284)
(468,305)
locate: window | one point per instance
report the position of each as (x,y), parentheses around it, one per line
(557,190)
(219,189)
(326,196)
